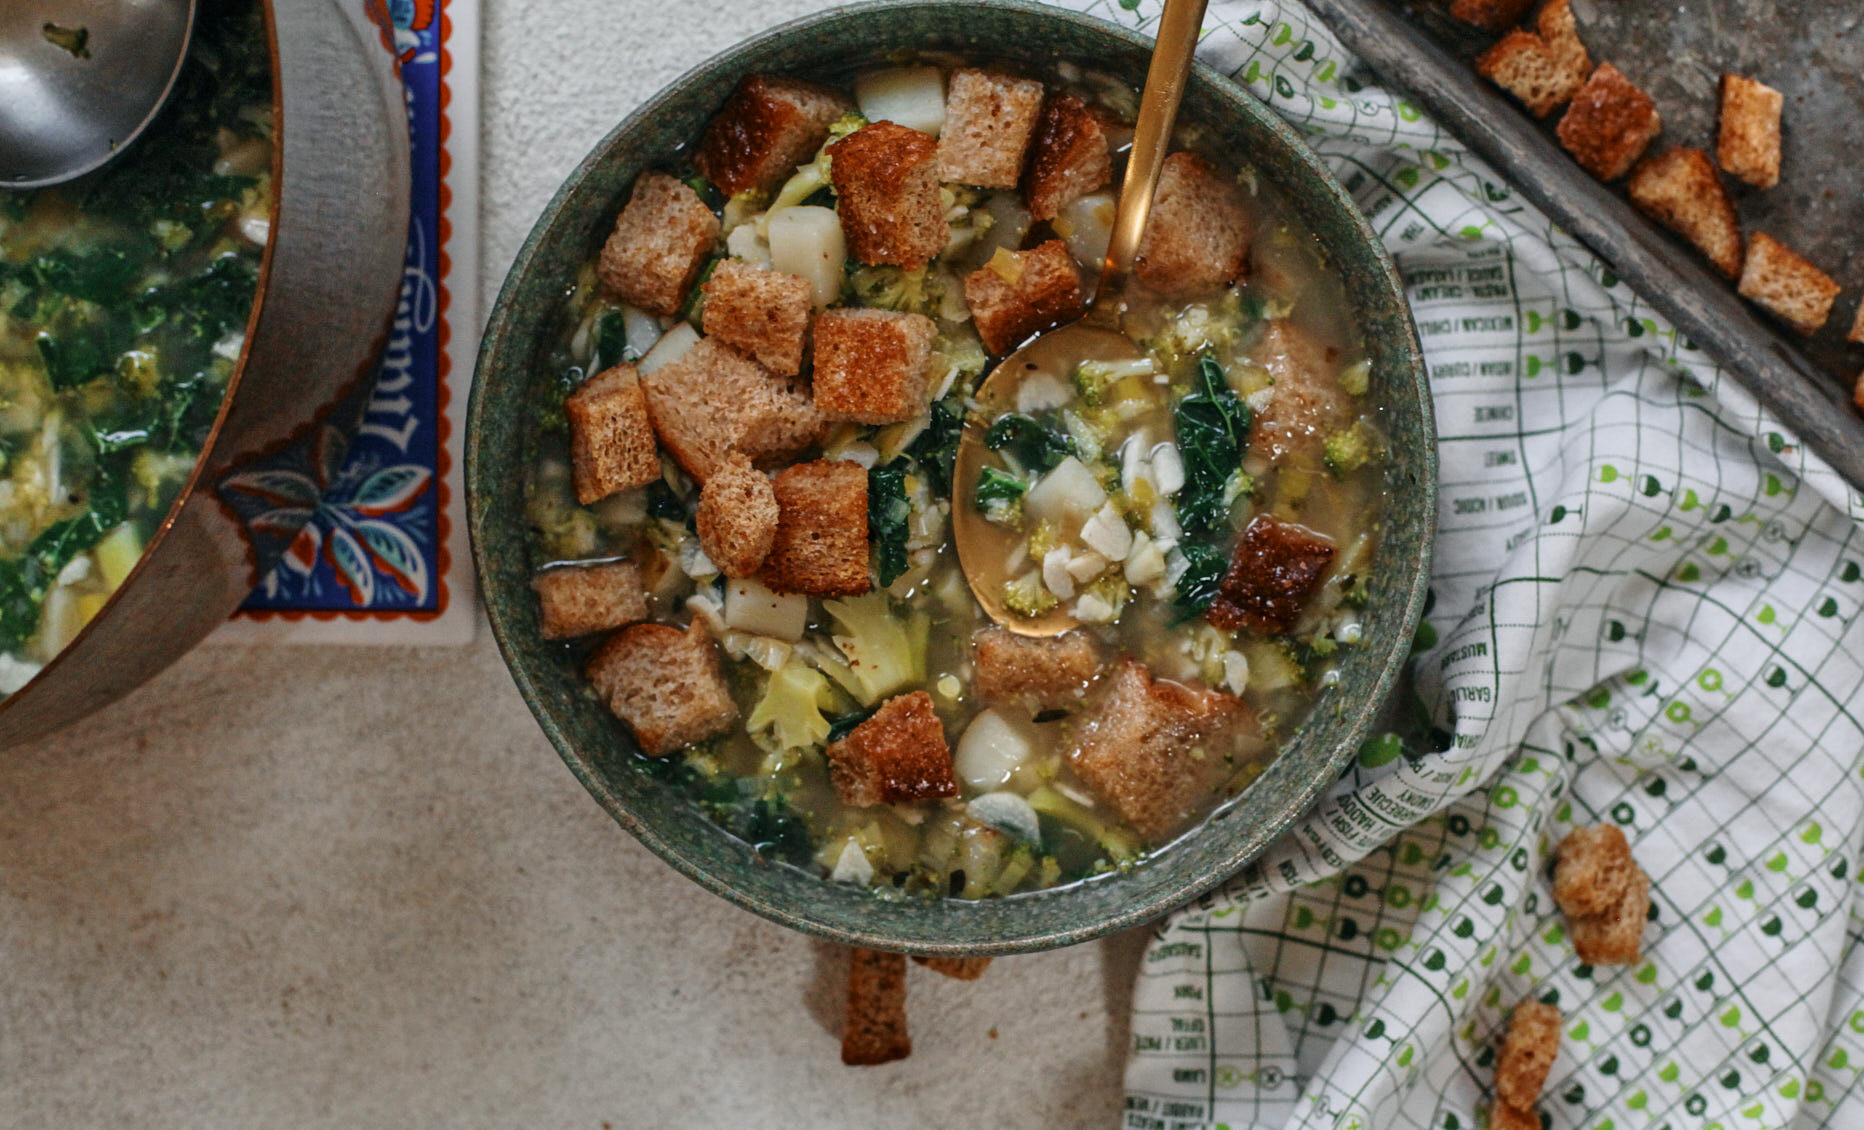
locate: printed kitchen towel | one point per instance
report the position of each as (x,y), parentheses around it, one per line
(1645,612)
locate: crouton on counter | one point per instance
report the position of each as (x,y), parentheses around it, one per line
(875,1030)
(1593,870)
(957,968)
(660,241)
(1527,1054)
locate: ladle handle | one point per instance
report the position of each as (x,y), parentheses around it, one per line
(1178,26)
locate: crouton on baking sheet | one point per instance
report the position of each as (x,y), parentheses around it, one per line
(612,444)
(664,683)
(1748,144)
(1787,286)
(582,599)
(1490,15)
(898,754)
(1679,189)
(766,128)
(1544,68)
(661,240)
(1609,124)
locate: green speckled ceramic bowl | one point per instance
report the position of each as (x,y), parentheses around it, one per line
(596,746)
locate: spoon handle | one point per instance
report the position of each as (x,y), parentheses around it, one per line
(1178,28)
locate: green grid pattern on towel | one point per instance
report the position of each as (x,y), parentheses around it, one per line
(1645,611)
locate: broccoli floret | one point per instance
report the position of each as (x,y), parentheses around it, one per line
(1042,538)
(1027,595)
(1104,600)
(789,715)
(890,288)
(885,649)
(1349,450)
(1356,378)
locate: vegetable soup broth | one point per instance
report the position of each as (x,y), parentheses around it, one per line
(777,794)
(124,301)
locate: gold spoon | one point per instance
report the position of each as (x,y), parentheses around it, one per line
(1096,335)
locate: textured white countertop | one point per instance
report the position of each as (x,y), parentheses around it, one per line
(297,887)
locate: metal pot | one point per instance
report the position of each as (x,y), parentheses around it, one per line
(327,288)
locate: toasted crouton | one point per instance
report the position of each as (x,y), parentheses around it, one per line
(988,120)
(1305,403)
(820,545)
(737,516)
(1068,157)
(1749,143)
(1490,15)
(886,179)
(664,683)
(1197,234)
(1505,1117)
(660,241)
(898,754)
(1616,936)
(765,129)
(1857,325)
(1275,567)
(957,968)
(1792,289)
(611,436)
(580,600)
(870,365)
(875,1031)
(1046,672)
(1609,124)
(1153,751)
(1593,871)
(1857,393)
(1680,190)
(713,399)
(761,312)
(1527,1054)
(1543,68)
(1018,293)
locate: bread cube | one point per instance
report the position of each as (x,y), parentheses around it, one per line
(611,435)
(820,547)
(1616,936)
(1505,1117)
(899,754)
(988,120)
(1042,672)
(664,683)
(1068,156)
(1019,293)
(660,241)
(1543,68)
(886,182)
(1593,870)
(1198,232)
(1609,124)
(1490,15)
(1749,143)
(713,399)
(766,128)
(1679,189)
(580,600)
(1154,751)
(871,365)
(1305,404)
(1527,1054)
(1790,288)
(737,516)
(957,968)
(875,1030)
(761,312)
(1274,569)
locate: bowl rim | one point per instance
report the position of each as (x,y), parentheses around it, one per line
(1407,362)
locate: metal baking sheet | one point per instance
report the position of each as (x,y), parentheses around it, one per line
(1812,52)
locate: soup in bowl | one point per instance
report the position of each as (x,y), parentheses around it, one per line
(731,372)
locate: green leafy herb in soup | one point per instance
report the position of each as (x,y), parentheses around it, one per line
(743,487)
(124,299)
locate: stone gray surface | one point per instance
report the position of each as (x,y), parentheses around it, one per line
(355,888)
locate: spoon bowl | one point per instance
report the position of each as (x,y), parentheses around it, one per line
(81,79)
